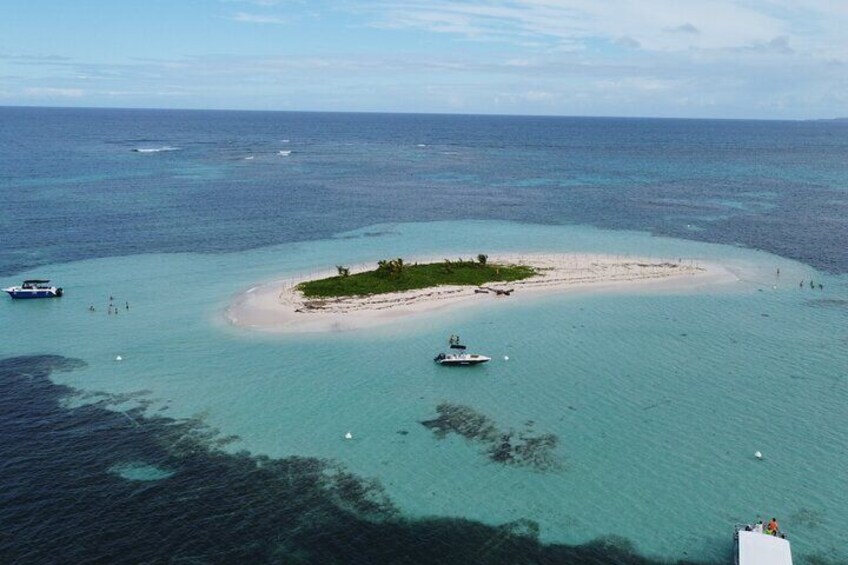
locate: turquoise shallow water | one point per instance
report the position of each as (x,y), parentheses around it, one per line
(658,400)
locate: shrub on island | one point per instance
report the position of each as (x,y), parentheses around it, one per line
(393,275)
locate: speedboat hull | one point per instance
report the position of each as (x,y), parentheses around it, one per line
(18,292)
(461,360)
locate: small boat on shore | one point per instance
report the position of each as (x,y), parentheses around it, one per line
(460,357)
(753,546)
(34,288)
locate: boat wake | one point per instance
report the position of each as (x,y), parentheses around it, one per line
(155,149)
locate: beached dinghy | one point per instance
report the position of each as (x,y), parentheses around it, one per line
(459,357)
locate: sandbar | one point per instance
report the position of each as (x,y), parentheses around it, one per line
(278,306)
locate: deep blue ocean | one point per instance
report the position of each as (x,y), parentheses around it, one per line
(73,187)
(86,184)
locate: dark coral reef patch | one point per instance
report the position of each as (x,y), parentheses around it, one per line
(59,503)
(526,447)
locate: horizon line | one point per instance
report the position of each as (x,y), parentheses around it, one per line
(412,113)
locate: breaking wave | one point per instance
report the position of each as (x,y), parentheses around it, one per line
(155,149)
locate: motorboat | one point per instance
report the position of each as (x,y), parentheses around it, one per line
(34,288)
(460,359)
(459,356)
(753,546)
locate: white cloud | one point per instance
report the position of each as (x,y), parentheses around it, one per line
(635,84)
(684,28)
(245,17)
(719,58)
(657,25)
(44,91)
(254,2)
(628,42)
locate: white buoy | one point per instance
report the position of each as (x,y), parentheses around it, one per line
(119,358)
(506,357)
(758,455)
(348,435)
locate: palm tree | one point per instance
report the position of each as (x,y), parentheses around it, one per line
(397,266)
(390,267)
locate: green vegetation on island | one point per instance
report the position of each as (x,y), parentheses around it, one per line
(393,275)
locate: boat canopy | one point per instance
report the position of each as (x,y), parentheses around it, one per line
(763,549)
(457,346)
(36,281)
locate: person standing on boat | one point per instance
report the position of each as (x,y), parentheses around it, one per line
(758,527)
(773,528)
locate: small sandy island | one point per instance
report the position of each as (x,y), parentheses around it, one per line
(279,307)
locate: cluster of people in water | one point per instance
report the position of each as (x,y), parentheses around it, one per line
(812,285)
(113,308)
(803,282)
(772,529)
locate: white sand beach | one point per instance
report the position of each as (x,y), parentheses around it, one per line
(279,307)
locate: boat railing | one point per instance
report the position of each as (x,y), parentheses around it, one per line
(751,528)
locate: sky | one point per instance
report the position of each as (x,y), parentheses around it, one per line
(759,59)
